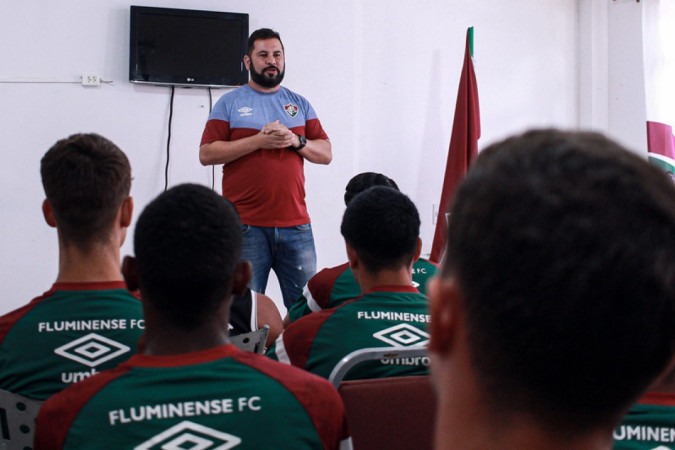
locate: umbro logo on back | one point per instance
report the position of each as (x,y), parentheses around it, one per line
(92,350)
(190,435)
(403,335)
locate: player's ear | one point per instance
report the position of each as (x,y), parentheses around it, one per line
(352,257)
(418,252)
(242,275)
(130,272)
(445,306)
(48,213)
(247,62)
(126,211)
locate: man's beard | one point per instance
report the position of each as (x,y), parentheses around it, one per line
(266,81)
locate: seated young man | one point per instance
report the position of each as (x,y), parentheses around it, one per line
(553,310)
(251,311)
(381,232)
(333,286)
(190,388)
(88,320)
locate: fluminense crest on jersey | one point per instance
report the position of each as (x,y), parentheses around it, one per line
(403,335)
(190,435)
(291,109)
(92,350)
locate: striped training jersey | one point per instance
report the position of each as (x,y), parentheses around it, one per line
(69,333)
(649,424)
(216,398)
(335,285)
(268,185)
(396,316)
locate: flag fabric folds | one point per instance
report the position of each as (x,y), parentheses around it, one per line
(463,145)
(660,139)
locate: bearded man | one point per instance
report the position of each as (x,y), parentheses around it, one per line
(262,133)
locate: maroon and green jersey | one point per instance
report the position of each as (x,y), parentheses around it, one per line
(649,425)
(219,398)
(333,286)
(396,316)
(69,333)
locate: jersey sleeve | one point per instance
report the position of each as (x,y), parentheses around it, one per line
(9,320)
(215,130)
(314,130)
(302,306)
(321,286)
(59,412)
(294,345)
(313,127)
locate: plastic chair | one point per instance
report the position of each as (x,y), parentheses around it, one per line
(17,420)
(396,413)
(252,342)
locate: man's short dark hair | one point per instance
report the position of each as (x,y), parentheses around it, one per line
(563,245)
(86,178)
(262,35)
(187,244)
(383,226)
(365,180)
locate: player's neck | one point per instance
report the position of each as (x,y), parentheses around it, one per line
(162,338)
(174,341)
(100,263)
(465,422)
(464,434)
(256,87)
(399,277)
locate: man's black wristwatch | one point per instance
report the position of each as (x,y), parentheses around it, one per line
(303,142)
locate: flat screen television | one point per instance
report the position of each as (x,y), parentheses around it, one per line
(187,47)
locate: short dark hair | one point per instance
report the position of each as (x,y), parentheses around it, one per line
(86,178)
(262,35)
(563,245)
(383,226)
(365,180)
(187,243)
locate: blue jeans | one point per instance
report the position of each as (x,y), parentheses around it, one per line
(289,251)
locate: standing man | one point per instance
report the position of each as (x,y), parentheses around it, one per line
(262,133)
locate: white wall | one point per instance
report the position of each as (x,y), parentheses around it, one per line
(659,55)
(382,76)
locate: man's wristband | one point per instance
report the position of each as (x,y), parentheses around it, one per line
(303,142)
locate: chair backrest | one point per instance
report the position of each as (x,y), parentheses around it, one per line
(372,353)
(17,420)
(396,413)
(253,342)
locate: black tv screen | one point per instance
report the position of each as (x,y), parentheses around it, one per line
(187,47)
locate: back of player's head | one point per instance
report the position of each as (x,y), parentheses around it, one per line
(383,226)
(86,178)
(262,34)
(187,243)
(563,245)
(365,180)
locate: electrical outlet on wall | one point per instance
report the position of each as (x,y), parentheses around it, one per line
(91,79)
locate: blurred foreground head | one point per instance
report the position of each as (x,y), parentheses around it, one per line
(558,286)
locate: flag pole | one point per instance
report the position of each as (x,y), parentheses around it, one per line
(463,147)
(470,32)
